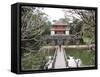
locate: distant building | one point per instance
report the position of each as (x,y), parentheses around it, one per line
(59,34)
(60,28)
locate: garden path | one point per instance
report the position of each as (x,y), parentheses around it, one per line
(60,60)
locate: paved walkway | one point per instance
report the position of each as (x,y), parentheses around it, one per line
(60,60)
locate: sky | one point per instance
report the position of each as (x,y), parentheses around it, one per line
(54,13)
(57,13)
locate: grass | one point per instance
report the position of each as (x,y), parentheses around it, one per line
(37,59)
(86,55)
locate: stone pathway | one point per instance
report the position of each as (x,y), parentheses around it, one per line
(60,60)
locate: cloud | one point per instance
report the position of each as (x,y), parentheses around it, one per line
(54,13)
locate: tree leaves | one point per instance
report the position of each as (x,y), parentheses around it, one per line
(34,25)
(84,25)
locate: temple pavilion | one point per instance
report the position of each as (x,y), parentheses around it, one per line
(60,28)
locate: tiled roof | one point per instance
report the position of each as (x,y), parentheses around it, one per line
(60,23)
(61,29)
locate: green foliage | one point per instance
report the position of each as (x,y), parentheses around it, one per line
(76,26)
(88,28)
(34,25)
(33,61)
(83,24)
(36,60)
(88,34)
(86,55)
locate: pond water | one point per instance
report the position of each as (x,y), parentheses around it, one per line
(80,57)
